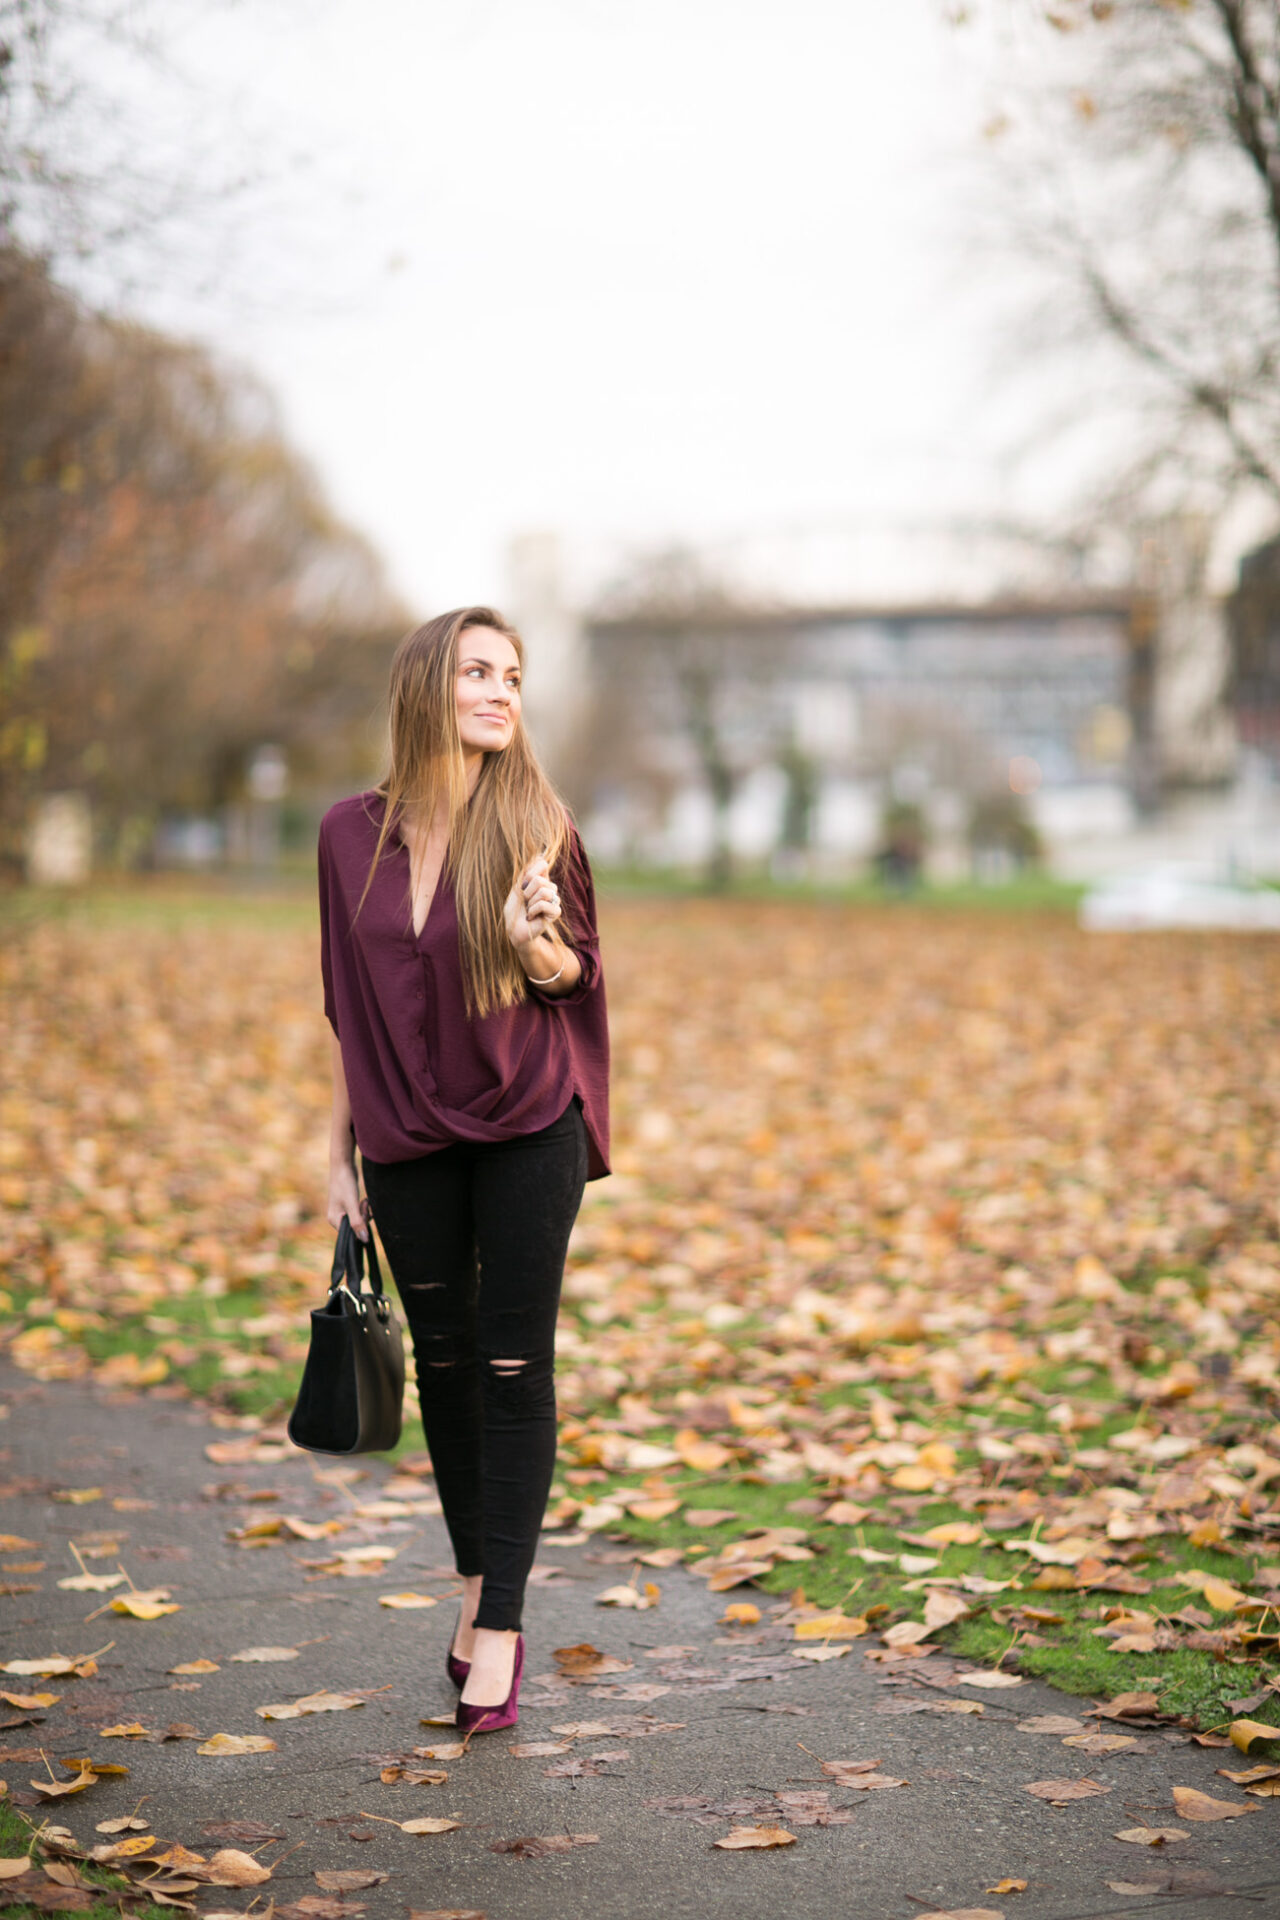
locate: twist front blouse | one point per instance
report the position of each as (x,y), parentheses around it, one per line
(421,1073)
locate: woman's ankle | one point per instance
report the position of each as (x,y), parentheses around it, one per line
(464,1630)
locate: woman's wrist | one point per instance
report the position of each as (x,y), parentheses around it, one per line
(542,958)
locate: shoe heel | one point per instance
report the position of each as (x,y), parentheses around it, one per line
(456,1669)
(476,1719)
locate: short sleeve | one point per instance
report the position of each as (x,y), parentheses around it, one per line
(572,875)
(325,878)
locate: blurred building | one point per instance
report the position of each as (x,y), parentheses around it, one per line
(704,712)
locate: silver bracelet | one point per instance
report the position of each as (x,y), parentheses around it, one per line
(550,977)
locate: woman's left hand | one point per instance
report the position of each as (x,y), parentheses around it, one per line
(532,906)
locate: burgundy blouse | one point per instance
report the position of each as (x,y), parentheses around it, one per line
(420,1072)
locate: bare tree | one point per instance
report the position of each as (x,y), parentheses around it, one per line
(688,663)
(1144,162)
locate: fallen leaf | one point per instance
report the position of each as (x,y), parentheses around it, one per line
(708,1516)
(962,1913)
(59,1789)
(943,1609)
(1191,1804)
(32,1701)
(238,1743)
(1007,1886)
(447,1750)
(702,1456)
(253,1831)
(740,1613)
(347,1879)
(145,1606)
(1151,1836)
(823,1652)
(1059,1792)
(196,1666)
(585,1661)
(230,1868)
(1100,1742)
(1222,1596)
(828,1626)
(993,1678)
(91,1582)
(1051,1723)
(266,1655)
(123,1823)
(1128,1706)
(134,1730)
(629,1597)
(739,1839)
(311,1703)
(1244,1732)
(653,1509)
(406,1601)
(443,1913)
(539,1749)
(9,1868)
(907,1633)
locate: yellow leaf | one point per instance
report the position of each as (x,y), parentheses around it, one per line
(953,1533)
(939,1456)
(913,1479)
(653,1509)
(1007,1886)
(197,1666)
(1222,1596)
(310,1703)
(426,1825)
(132,1730)
(237,1743)
(740,1613)
(58,1789)
(406,1601)
(828,1626)
(741,1838)
(1244,1732)
(31,1701)
(703,1456)
(145,1606)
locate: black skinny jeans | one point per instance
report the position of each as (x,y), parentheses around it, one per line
(476,1237)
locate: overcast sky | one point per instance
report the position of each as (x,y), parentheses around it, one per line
(639,269)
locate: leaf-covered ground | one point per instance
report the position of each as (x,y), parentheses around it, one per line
(942,1249)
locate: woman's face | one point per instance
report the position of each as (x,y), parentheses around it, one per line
(488,690)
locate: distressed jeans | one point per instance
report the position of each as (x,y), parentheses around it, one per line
(476,1237)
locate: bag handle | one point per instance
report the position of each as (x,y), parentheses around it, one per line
(349,1262)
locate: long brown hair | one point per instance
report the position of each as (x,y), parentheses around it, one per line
(513,815)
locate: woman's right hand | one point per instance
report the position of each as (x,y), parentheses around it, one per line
(345,1199)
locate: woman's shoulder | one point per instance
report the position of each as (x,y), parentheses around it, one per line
(354,816)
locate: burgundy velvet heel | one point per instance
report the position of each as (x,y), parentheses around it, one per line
(474,1719)
(456,1669)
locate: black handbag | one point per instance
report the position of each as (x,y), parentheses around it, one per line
(353,1383)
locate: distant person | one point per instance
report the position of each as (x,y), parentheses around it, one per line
(462,981)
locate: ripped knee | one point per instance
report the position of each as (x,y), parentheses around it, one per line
(521,1384)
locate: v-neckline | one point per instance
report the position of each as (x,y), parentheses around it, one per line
(435,890)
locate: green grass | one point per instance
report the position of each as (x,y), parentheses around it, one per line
(285,898)
(1187,1681)
(16,1836)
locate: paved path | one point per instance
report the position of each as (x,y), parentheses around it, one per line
(963,1823)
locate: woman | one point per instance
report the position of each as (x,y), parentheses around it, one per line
(470,1059)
